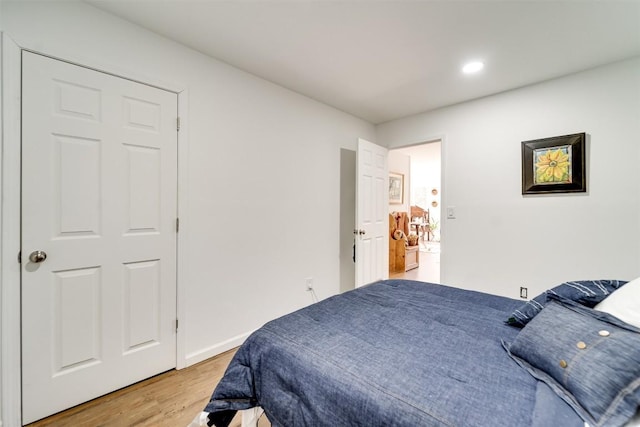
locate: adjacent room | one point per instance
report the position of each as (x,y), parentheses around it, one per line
(312,189)
(416,210)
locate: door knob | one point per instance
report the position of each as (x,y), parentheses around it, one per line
(361,232)
(37,256)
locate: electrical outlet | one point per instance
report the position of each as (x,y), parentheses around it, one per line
(309,283)
(523,292)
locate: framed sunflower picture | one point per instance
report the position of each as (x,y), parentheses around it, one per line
(554,165)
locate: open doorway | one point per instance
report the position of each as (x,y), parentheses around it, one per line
(418,167)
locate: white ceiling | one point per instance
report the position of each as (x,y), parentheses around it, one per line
(382,60)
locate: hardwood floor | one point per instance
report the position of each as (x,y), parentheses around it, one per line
(171,399)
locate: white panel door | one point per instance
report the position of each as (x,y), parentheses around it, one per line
(372,213)
(99,190)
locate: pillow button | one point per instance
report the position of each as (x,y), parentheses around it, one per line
(563,364)
(604,333)
(581,345)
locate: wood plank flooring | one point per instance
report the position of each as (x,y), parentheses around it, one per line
(429,269)
(171,399)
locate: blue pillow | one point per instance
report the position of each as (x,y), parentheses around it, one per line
(589,358)
(585,292)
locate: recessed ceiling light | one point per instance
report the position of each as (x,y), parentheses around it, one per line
(472,67)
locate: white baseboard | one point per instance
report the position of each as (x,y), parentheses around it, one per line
(214,350)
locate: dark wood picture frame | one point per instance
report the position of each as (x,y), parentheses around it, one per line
(554,165)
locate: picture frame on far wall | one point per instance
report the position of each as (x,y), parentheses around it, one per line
(396,188)
(554,165)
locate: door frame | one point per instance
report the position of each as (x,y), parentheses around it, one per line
(10,216)
(10,239)
(443,190)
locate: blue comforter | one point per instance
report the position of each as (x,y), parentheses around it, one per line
(393,353)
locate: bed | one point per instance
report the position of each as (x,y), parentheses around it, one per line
(405,353)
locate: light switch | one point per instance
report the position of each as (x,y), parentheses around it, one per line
(451,212)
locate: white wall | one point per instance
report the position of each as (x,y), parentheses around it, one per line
(502,240)
(263,178)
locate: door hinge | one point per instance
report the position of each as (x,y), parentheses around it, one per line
(177,123)
(20,257)
(176,325)
(177,225)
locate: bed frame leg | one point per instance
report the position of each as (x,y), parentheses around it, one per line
(251,416)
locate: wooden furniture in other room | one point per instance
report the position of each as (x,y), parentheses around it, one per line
(420,220)
(401,257)
(411,258)
(396,249)
(396,256)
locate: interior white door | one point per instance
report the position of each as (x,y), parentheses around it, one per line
(99,198)
(372,213)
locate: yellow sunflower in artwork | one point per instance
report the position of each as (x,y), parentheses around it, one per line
(553,166)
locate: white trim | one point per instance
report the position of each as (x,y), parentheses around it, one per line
(443,208)
(183,208)
(10,234)
(214,350)
(97,64)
